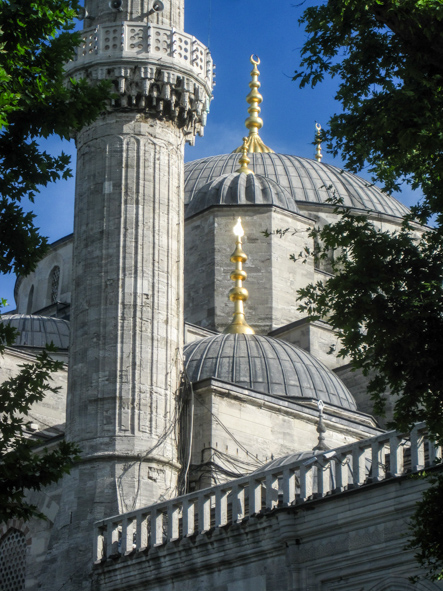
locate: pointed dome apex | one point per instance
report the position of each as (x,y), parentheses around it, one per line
(241,189)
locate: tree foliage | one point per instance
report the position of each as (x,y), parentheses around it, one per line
(21,467)
(385,300)
(36,40)
(388,57)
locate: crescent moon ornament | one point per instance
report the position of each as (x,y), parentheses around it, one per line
(255,59)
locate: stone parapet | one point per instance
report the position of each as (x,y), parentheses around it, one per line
(350,467)
(154,69)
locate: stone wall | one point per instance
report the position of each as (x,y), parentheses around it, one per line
(273,278)
(239,430)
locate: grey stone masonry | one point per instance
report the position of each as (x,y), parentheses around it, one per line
(127,314)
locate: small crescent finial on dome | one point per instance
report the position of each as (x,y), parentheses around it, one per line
(321,429)
(254,123)
(238,294)
(318,154)
(244,160)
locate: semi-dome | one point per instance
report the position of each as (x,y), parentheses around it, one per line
(38,331)
(237,188)
(266,365)
(307,181)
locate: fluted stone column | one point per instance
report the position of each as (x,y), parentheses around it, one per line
(127,309)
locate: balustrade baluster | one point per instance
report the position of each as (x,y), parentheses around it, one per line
(141,534)
(337,466)
(99,544)
(417,448)
(204,513)
(221,507)
(396,464)
(271,492)
(126,538)
(156,527)
(377,461)
(112,539)
(304,484)
(172,522)
(255,493)
(188,517)
(288,486)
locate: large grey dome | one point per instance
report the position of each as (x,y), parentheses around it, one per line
(306,180)
(38,331)
(238,188)
(267,365)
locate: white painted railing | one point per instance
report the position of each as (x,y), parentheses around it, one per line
(142,42)
(327,473)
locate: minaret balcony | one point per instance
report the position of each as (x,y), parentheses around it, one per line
(139,42)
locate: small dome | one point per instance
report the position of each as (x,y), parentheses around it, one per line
(266,365)
(38,331)
(241,189)
(307,181)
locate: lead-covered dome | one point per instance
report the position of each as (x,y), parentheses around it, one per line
(38,331)
(238,188)
(266,365)
(307,181)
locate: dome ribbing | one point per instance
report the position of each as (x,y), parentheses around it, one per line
(307,181)
(266,365)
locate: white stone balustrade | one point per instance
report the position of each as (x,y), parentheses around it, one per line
(140,42)
(369,461)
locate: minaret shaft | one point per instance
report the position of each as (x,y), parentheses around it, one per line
(127,309)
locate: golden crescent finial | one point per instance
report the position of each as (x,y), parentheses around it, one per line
(238,294)
(254,123)
(318,154)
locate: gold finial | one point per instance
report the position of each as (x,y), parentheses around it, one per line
(244,160)
(318,154)
(238,294)
(254,122)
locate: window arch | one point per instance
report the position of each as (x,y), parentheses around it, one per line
(30,300)
(54,281)
(13,560)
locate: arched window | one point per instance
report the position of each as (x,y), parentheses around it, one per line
(13,560)
(30,300)
(54,280)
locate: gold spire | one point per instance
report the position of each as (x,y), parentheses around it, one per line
(238,294)
(244,160)
(254,122)
(318,154)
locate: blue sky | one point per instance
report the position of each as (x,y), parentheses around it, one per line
(234,29)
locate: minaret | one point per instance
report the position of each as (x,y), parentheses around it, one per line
(127,309)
